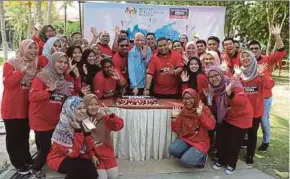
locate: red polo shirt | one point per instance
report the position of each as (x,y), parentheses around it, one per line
(271,60)
(165,83)
(121,64)
(106,49)
(232,61)
(103,85)
(255,92)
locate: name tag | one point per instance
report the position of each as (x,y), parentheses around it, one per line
(251,89)
(26,85)
(57,98)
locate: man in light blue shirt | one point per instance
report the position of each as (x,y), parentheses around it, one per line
(138,59)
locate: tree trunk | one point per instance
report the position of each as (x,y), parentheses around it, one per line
(3,30)
(38,12)
(30,24)
(48,17)
(65,8)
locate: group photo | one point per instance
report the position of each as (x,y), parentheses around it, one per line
(144,89)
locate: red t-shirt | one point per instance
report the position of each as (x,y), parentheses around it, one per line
(232,61)
(165,83)
(240,113)
(40,47)
(42,61)
(15,95)
(58,152)
(255,92)
(271,60)
(44,107)
(103,85)
(36,39)
(106,49)
(200,140)
(74,85)
(121,64)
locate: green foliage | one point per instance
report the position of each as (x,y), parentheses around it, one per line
(73,27)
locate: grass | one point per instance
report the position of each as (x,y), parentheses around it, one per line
(275,161)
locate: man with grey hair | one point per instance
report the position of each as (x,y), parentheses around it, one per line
(138,58)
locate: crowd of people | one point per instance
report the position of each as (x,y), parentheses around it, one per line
(54,85)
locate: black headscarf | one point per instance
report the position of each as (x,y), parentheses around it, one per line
(92,69)
(42,33)
(192,83)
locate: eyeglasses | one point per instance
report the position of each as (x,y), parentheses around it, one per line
(213,77)
(255,48)
(125,45)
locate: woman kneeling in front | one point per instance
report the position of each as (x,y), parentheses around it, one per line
(72,149)
(191,124)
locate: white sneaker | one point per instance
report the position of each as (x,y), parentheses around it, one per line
(229,170)
(217,166)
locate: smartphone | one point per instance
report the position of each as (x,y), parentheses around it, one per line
(89,124)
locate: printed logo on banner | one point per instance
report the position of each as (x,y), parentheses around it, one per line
(178,13)
(130,11)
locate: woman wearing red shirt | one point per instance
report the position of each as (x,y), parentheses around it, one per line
(73,75)
(253,83)
(234,116)
(191,125)
(18,74)
(105,124)
(48,91)
(72,152)
(52,45)
(45,33)
(194,77)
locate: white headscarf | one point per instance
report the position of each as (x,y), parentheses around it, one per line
(48,45)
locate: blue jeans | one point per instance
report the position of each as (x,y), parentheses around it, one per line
(266,126)
(189,156)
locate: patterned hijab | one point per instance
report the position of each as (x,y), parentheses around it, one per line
(48,45)
(49,73)
(250,72)
(64,133)
(19,61)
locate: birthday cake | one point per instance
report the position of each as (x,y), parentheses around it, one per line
(137,101)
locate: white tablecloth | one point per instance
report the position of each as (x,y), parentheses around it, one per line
(146,134)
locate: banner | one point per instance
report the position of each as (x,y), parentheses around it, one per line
(164,21)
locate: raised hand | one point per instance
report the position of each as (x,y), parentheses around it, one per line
(106,109)
(229,89)
(262,68)
(51,84)
(86,90)
(238,72)
(175,111)
(85,69)
(95,33)
(117,30)
(184,76)
(224,66)
(199,108)
(71,67)
(185,59)
(115,75)
(276,30)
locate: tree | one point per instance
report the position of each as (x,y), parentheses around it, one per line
(3,30)
(49,12)
(64,6)
(38,11)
